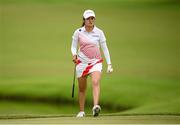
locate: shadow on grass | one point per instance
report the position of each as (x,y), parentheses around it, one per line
(61,100)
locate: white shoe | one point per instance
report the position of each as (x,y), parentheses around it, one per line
(96,110)
(80,114)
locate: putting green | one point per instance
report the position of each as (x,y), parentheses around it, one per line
(134,119)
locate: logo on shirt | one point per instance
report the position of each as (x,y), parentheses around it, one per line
(95,35)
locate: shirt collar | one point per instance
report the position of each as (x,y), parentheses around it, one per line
(93,31)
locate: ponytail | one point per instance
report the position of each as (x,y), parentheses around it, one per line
(83,22)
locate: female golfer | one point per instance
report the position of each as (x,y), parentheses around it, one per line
(88,59)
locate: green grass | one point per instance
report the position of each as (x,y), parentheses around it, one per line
(10,108)
(106,119)
(143,40)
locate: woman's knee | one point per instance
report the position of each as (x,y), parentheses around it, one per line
(82,84)
(95,82)
(82,89)
(96,78)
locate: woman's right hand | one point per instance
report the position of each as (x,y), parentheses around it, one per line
(74,59)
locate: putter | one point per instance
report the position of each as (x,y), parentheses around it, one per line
(74,81)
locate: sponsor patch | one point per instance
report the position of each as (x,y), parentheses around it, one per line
(95,35)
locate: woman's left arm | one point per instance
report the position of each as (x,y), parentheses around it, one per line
(106,52)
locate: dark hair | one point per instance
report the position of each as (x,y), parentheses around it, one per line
(83,22)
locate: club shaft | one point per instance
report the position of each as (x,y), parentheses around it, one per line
(74,81)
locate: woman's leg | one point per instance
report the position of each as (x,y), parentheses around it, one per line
(96,76)
(82,91)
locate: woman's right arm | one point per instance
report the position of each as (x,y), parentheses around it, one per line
(74,46)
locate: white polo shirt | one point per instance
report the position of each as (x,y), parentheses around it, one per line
(89,44)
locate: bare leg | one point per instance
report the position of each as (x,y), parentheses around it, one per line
(82,91)
(96,76)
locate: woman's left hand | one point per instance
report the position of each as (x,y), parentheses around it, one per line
(109,68)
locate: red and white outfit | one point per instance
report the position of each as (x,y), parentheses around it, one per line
(89,55)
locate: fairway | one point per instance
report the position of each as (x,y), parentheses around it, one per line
(146,119)
(36,69)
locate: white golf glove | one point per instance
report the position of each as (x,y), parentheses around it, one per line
(109,68)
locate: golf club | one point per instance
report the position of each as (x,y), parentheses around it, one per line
(74,81)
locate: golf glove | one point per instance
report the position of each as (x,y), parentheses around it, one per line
(109,68)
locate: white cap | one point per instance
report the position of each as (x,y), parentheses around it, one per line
(88,13)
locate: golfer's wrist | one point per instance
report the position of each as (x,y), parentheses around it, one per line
(74,56)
